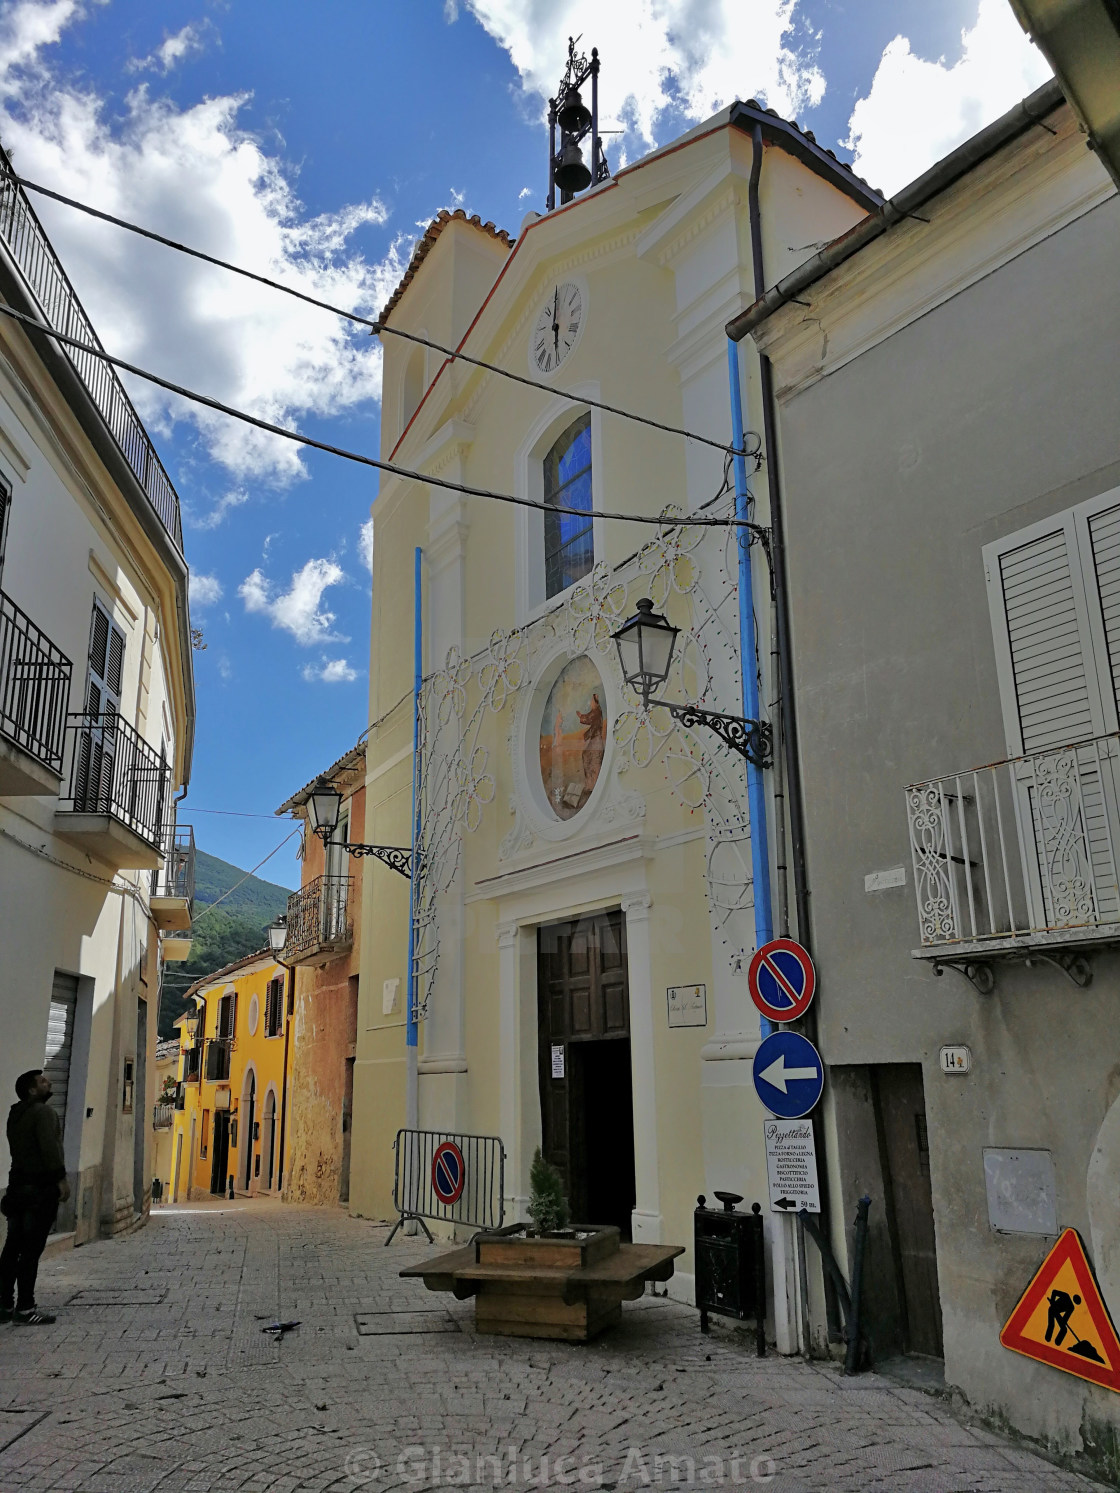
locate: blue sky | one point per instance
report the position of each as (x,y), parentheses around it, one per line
(311,142)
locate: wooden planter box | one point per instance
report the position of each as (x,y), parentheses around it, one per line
(568,1286)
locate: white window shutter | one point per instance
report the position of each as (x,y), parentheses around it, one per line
(1104,540)
(1045,656)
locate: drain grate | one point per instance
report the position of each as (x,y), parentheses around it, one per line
(380,1324)
(140,1297)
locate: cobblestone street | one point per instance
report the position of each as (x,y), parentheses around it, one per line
(158,1376)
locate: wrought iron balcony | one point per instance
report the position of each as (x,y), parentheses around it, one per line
(163,1115)
(42,272)
(1019,859)
(34,693)
(219,1052)
(173,880)
(319,926)
(117,792)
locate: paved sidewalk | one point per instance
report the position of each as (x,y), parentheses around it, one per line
(158,1376)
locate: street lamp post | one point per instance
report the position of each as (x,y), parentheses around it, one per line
(323,805)
(645,650)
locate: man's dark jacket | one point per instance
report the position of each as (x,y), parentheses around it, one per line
(35,1141)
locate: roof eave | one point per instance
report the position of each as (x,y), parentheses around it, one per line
(944,174)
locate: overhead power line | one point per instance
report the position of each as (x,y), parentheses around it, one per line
(230,890)
(379,328)
(660,520)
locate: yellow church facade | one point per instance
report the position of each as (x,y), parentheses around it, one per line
(584,911)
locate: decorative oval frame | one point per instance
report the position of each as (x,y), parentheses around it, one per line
(525,746)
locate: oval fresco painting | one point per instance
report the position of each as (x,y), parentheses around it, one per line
(573,737)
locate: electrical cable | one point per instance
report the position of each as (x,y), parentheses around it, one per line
(377,328)
(211,906)
(661,521)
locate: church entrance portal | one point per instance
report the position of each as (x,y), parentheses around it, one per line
(583,1026)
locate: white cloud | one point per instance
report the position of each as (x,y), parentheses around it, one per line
(696,55)
(298,610)
(365,544)
(331,671)
(225,668)
(204,589)
(171,51)
(195,175)
(918,111)
(217,515)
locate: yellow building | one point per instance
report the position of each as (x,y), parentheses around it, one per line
(229,1118)
(586,908)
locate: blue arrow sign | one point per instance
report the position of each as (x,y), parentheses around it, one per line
(788,1074)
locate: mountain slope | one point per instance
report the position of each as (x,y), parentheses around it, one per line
(213,877)
(229,932)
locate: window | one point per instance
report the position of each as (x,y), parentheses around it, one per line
(227,1015)
(1054,591)
(274,1008)
(96,745)
(569,546)
(204,1143)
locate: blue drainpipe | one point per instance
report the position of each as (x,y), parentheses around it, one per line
(412,1098)
(756,792)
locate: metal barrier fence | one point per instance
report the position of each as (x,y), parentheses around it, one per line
(450,1178)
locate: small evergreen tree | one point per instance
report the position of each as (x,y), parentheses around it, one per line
(548,1207)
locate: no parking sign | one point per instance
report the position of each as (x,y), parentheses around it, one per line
(449,1172)
(781,980)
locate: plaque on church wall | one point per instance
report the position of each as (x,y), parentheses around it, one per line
(573,737)
(688,1005)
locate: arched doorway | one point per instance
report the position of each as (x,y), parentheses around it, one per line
(269,1138)
(248,1116)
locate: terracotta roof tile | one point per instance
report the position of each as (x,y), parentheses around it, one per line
(424,248)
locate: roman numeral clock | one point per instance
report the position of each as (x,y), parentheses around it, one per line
(557,327)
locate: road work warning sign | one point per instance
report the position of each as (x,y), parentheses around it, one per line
(1061,1318)
(791,1166)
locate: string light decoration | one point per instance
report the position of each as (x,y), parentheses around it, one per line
(456,786)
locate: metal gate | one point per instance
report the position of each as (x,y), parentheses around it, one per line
(425,1166)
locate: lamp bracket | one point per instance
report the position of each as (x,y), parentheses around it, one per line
(396,857)
(753,740)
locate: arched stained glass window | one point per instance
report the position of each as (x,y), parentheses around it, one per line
(569,547)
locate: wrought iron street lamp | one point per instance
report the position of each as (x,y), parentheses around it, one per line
(323,806)
(645,650)
(278,936)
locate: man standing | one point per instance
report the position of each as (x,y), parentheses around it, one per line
(36,1185)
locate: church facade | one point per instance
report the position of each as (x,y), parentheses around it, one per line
(584,910)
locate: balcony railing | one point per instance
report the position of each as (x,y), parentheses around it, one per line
(163,1115)
(34,687)
(1020,851)
(30,248)
(114,771)
(175,878)
(192,1066)
(219,1052)
(318,918)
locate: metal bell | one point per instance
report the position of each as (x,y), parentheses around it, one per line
(572,174)
(573,116)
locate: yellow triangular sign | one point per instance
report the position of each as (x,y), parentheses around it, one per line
(1061,1319)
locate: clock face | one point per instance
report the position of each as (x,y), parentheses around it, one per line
(557,328)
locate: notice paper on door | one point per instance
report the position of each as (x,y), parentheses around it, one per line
(558,1060)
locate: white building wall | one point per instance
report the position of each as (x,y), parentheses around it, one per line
(72,540)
